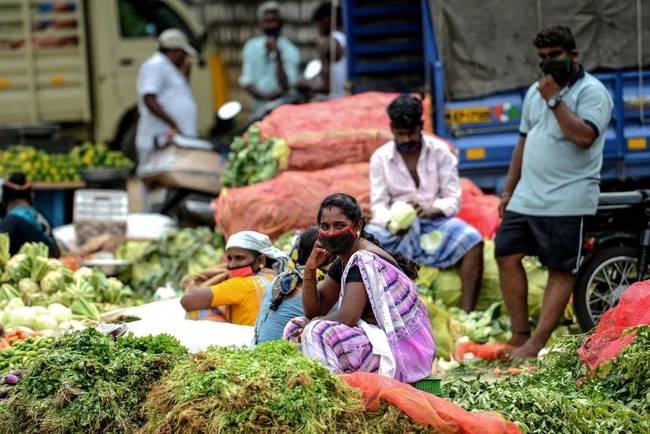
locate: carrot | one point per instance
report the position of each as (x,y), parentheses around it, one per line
(3,344)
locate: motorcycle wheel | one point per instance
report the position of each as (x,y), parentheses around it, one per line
(602,282)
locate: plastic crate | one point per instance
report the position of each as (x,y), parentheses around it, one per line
(99,212)
(101,205)
(431,385)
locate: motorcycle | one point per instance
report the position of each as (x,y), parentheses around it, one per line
(614,254)
(311,72)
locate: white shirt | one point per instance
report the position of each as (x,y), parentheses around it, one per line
(391,181)
(159,76)
(339,69)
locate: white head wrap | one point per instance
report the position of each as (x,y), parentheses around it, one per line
(256,242)
(270,6)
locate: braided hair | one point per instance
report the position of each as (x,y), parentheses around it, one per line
(352,210)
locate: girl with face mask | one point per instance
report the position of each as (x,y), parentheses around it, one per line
(236,294)
(366,314)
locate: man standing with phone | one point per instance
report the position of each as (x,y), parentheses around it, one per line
(553,181)
(269,62)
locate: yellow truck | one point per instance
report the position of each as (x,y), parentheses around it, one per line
(75,63)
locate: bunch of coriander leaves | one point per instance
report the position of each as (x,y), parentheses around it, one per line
(561,396)
(272,388)
(89,382)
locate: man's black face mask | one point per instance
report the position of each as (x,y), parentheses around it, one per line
(272,32)
(560,68)
(410,146)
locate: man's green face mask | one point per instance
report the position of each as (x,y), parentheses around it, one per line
(558,67)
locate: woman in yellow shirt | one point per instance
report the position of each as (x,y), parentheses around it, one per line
(251,257)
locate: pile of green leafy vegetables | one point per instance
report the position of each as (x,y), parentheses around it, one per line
(272,388)
(254,159)
(561,396)
(89,382)
(167,260)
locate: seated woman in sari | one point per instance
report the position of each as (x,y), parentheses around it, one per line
(379,323)
(241,289)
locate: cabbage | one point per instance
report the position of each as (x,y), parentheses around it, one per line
(45,322)
(431,242)
(14,303)
(23,316)
(402,216)
(39,310)
(60,312)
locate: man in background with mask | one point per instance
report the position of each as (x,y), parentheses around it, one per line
(236,295)
(269,62)
(422,171)
(552,183)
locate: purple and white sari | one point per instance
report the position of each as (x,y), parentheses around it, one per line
(401,317)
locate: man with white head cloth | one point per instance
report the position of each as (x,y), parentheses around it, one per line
(270,61)
(251,259)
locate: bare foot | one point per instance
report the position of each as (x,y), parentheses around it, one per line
(519,338)
(526,351)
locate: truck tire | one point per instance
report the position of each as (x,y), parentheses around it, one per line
(124,138)
(602,281)
(127,143)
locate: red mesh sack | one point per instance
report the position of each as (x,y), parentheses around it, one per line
(330,133)
(289,201)
(479,209)
(609,339)
(425,408)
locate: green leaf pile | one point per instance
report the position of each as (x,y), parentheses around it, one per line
(39,281)
(562,397)
(177,253)
(253,159)
(272,388)
(89,382)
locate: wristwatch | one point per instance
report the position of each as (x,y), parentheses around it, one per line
(553,101)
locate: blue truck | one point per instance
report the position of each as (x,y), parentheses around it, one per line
(394,46)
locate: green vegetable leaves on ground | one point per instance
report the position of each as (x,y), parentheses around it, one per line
(272,388)
(90,383)
(560,396)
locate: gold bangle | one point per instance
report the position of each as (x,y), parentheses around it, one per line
(313,280)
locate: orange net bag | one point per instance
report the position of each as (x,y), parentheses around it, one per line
(609,338)
(330,133)
(289,201)
(426,408)
(479,209)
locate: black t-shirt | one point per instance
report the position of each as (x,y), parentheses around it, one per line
(20,232)
(336,272)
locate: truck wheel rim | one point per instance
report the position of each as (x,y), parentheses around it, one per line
(608,282)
